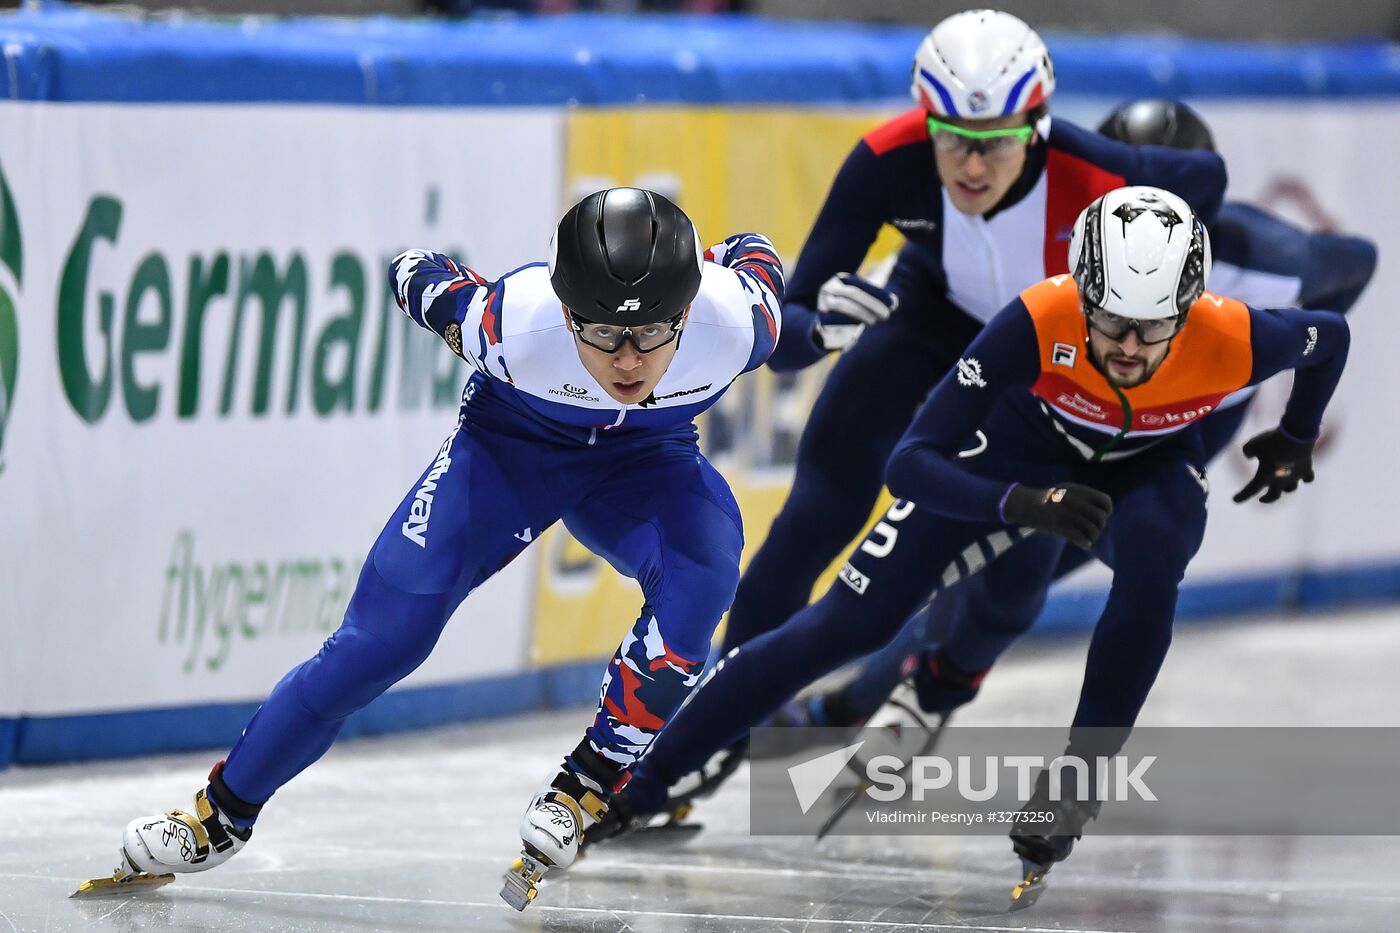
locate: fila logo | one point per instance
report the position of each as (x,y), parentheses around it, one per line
(1312,341)
(630,304)
(1063,354)
(854,578)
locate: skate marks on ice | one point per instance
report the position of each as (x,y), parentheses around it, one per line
(741,884)
(1198,884)
(411,832)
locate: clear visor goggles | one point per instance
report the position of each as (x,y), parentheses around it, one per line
(1116,327)
(609,337)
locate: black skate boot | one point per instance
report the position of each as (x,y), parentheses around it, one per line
(1047,834)
(669,824)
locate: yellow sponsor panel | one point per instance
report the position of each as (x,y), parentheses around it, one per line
(763,169)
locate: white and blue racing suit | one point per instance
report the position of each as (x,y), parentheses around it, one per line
(539,440)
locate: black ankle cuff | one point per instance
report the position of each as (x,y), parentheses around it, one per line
(227,801)
(595,767)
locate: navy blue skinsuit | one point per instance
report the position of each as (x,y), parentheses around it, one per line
(952,275)
(1260,260)
(1045,416)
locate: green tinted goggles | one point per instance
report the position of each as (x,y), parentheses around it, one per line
(948,138)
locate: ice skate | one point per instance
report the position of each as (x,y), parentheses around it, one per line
(156,848)
(643,830)
(900,728)
(1039,853)
(802,718)
(550,833)
(672,823)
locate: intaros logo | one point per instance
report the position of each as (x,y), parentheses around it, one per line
(12,262)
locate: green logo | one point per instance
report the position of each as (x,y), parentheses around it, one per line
(263,331)
(12,257)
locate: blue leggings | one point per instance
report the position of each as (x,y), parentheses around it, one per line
(1156,528)
(652,506)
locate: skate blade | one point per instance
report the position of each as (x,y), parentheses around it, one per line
(115,885)
(672,831)
(1029,890)
(663,836)
(846,802)
(522,882)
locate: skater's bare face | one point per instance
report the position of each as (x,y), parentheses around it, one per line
(978,175)
(1126,362)
(627,374)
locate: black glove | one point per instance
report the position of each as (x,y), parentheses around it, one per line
(1077,513)
(1283,461)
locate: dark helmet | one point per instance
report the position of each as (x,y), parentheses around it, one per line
(625,256)
(1154,122)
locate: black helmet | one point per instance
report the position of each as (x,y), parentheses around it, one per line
(1154,122)
(625,256)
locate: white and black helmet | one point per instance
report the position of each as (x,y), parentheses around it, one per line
(1140,252)
(981,64)
(625,256)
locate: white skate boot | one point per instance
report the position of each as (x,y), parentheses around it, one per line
(155,848)
(554,823)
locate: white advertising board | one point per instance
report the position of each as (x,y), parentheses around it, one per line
(214,406)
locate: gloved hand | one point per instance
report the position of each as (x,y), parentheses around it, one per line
(1283,462)
(853,297)
(1074,512)
(835,332)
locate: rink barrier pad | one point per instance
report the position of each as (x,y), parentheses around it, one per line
(61,53)
(127,733)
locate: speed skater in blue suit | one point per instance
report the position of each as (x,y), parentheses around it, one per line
(589,372)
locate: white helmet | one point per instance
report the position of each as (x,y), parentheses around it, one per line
(1141,253)
(982,64)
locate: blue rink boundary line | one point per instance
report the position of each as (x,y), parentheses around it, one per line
(61,53)
(51,739)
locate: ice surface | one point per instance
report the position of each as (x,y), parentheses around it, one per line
(413,832)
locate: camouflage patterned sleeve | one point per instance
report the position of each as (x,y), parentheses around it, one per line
(439,293)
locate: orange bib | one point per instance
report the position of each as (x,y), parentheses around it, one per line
(1210,357)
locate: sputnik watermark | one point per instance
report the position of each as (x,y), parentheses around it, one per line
(901,779)
(890,778)
(1118,778)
